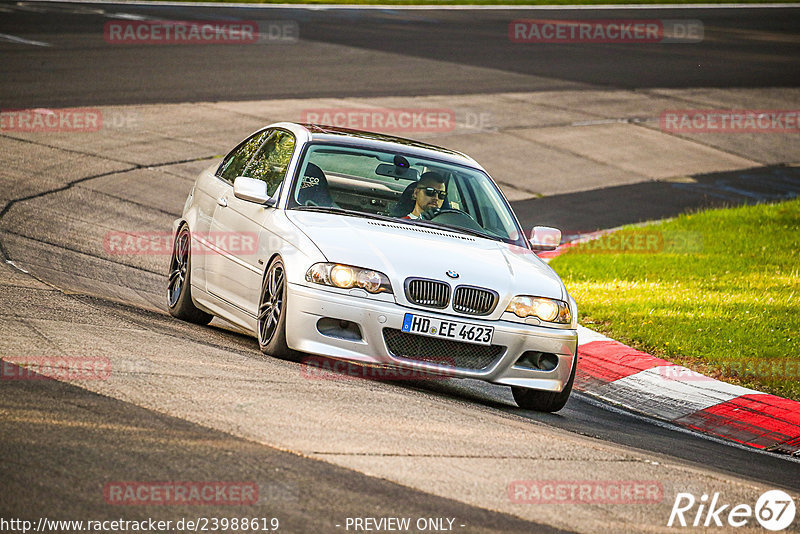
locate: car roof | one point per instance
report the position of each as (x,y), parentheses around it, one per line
(334,134)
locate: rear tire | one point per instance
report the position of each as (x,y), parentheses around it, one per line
(545,401)
(179,287)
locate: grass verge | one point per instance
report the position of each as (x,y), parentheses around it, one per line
(716,291)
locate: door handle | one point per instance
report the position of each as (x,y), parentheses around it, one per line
(222,201)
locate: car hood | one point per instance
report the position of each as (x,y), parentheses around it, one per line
(402,250)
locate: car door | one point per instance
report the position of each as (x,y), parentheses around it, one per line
(241,228)
(210,188)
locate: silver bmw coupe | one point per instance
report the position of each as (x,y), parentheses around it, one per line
(374,249)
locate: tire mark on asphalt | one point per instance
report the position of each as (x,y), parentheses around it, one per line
(76,251)
(162,324)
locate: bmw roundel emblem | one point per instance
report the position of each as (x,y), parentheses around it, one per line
(452,274)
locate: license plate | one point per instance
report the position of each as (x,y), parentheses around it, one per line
(443,328)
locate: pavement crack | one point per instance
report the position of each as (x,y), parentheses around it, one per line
(635,121)
(11,203)
(62,149)
(707,145)
(135,203)
(106,158)
(518,187)
(47,341)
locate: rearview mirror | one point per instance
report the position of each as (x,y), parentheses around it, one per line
(406,173)
(252,190)
(545,238)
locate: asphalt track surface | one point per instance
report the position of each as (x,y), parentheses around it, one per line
(80,69)
(756,47)
(84,440)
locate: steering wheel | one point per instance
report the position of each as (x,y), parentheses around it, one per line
(310,202)
(435,212)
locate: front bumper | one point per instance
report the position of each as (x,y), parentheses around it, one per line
(306,306)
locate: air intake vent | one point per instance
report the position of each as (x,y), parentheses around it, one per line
(443,352)
(430,293)
(474,300)
(421,230)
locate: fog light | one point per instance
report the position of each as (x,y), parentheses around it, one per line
(339,328)
(541,361)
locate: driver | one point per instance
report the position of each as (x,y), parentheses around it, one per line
(429,194)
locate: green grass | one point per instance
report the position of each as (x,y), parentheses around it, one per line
(722,296)
(494,2)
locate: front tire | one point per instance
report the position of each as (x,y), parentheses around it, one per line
(272,312)
(179,287)
(545,401)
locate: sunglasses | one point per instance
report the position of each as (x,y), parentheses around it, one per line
(432,192)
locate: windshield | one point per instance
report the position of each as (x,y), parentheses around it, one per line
(359,181)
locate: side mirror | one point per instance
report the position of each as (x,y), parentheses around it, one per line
(545,238)
(252,190)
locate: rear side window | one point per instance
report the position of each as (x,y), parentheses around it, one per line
(235,162)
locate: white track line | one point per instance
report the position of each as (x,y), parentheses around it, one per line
(15,39)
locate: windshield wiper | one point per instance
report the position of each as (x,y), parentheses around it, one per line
(469,231)
(427,224)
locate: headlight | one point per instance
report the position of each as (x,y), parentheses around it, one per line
(346,277)
(343,276)
(549,310)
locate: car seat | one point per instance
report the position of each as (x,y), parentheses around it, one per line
(314,189)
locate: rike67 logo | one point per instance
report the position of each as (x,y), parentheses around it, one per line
(774,510)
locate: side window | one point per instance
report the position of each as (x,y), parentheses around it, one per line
(270,163)
(234,163)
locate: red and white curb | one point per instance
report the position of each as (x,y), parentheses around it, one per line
(639,382)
